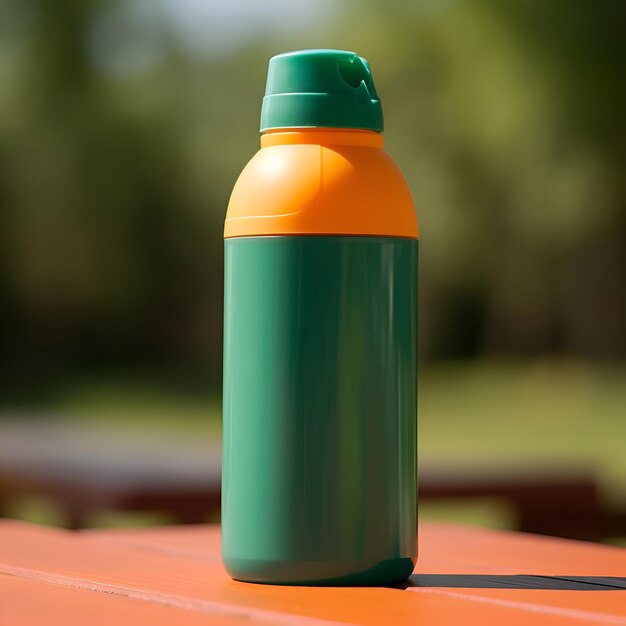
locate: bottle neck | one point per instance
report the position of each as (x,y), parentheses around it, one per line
(322,136)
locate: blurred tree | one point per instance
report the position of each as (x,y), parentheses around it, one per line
(119,145)
(507,118)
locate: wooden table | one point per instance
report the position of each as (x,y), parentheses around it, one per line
(174,575)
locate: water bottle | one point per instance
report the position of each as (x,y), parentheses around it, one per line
(319,481)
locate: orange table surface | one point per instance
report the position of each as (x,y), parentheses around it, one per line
(174,575)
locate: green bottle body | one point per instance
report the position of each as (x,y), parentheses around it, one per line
(320,409)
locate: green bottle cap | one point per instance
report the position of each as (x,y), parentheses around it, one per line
(320,88)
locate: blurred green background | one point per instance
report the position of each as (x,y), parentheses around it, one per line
(124,125)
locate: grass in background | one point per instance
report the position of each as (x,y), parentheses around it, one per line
(571,413)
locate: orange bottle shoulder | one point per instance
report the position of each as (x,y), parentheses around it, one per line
(321,182)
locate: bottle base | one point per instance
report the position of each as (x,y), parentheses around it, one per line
(323,573)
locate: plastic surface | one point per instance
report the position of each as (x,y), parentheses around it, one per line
(319,456)
(320,88)
(323,181)
(320,333)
